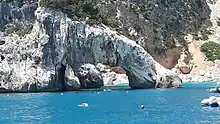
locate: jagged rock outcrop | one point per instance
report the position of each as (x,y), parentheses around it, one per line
(89,76)
(112,78)
(112,75)
(71,82)
(40,61)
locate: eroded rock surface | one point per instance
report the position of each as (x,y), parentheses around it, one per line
(89,76)
(44,50)
(40,61)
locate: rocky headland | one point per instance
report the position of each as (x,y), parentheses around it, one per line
(44,46)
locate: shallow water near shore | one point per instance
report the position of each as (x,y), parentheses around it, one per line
(180,105)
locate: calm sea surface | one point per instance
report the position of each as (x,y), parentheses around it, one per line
(166,106)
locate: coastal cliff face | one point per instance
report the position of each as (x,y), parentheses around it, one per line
(48,51)
(202,64)
(59,48)
(158,26)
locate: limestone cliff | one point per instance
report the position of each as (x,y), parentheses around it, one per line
(38,62)
(48,51)
(157,25)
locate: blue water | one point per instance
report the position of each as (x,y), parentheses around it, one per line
(169,106)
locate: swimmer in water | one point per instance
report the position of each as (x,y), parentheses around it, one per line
(142,107)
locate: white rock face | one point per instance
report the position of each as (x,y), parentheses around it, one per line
(57,44)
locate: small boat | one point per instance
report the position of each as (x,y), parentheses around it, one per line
(211,101)
(205,102)
(84,104)
(216,89)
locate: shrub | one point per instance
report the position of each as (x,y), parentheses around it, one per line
(22,32)
(111,21)
(47,3)
(20,3)
(211,50)
(19,31)
(80,10)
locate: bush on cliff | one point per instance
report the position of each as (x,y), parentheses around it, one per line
(211,50)
(80,10)
(20,31)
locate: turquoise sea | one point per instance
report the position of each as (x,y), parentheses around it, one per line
(165,106)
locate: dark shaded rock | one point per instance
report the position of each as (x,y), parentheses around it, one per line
(33,87)
(139,82)
(4,90)
(169,81)
(89,77)
(25,87)
(2,57)
(2,42)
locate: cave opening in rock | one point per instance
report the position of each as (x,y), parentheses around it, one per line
(117,76)
(2,42)
(2,57)
(61,76)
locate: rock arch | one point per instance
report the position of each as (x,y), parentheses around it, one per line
(63,46)
(76,43)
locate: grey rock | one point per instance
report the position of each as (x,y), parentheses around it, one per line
(89,76)
(72,82)
(169,81)
(112,78)
(13,13)
(57,46)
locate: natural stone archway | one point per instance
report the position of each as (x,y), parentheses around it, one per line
(57,47)
(53,36)
(75,44)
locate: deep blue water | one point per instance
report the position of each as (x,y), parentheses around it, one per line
(168,106)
